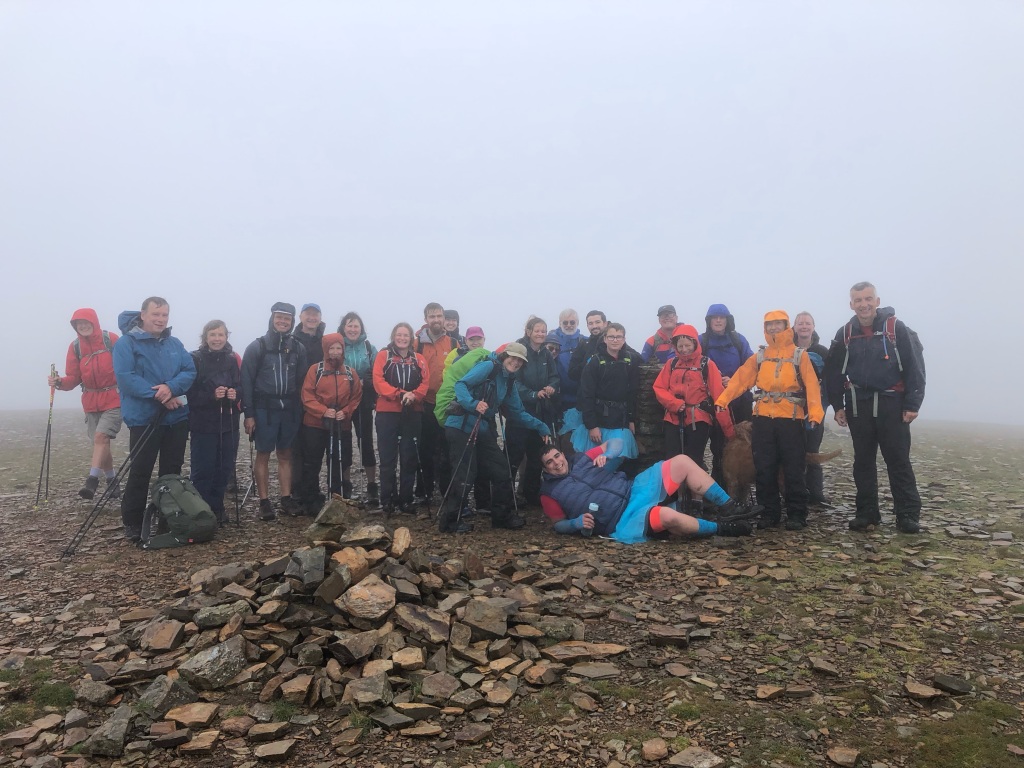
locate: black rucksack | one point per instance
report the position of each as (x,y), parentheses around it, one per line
(177,515)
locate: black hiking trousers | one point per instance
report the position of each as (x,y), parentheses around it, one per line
(779,443)
(486,461)
(888,433)
(166,442)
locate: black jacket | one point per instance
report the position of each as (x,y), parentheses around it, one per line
(214,369)
(273,368)
(585,350)
(608,389)
(313,344)
(538,372)
(868,364)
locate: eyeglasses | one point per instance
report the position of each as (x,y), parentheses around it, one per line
(614,338)
(569,322)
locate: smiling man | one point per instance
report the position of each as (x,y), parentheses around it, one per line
(154,371)
(876,380)
(585,496)
(273,368)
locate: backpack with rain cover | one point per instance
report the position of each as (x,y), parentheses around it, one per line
(176,515)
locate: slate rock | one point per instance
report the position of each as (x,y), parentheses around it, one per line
(695,757)
(488,617)
(391,719)
(214,667)
(429,624)
(108,740)
(163,694)
(439,687)
(472,733)
(264,732)
(307,565)
(373,691)
(218,615)
(352,647)
(952,684)
(276,751)
(163,636)
(370,599)
(199,713)
(94,693)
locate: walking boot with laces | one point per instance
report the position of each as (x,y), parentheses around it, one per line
(290,506)
(795,523)
(863,523)
(88,490)
(735,528)
(732,511)
(267,510)
(907,524)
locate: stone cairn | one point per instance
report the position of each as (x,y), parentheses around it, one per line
(357,622)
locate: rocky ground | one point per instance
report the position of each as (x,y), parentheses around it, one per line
(817,648)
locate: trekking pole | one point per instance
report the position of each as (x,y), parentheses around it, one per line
(252,471)
(234,469)
(76,540)
(46,445)
(470,443)
(219,468)
(508,462)
(330,461)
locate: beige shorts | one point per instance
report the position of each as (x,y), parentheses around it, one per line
(105,422)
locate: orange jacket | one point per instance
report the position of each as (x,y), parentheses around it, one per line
(95,370)
(389,396)
(434,352)
(776,380)
(680,387)
(339,389)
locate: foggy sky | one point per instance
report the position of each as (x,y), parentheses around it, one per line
(509,159)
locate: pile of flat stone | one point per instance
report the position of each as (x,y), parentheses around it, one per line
(362,623)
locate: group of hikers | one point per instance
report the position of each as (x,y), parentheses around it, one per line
(548,420)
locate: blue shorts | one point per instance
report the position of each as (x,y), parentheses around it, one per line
(276,430)
(648,491)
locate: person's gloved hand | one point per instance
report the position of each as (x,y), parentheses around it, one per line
(614,447)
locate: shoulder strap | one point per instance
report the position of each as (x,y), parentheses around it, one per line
(738,344)
(369,349)
(108,346)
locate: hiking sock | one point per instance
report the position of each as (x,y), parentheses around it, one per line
(706,527)
(95,472)
(716,495)
(110,474)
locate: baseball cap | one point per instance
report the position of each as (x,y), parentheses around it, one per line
(666,309)
(310,306)
(474,331)
(515,349)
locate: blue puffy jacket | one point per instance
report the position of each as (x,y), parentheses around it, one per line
(141,362)
(588,483)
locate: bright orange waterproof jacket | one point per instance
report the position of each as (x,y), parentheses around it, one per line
(680,387)
(339,388)
(779,391)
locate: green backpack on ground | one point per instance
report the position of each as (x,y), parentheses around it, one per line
(177,515)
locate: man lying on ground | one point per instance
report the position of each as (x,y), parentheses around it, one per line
(582,496)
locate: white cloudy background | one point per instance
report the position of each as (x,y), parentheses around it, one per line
(516,158)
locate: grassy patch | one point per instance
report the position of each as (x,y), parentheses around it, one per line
(284,711)
(623,692)
(972,739)
(545,707)
(32,689)
(632,736)
(235,711)
(360,720)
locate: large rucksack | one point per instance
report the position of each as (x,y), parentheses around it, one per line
(108,346)
(888,334)
(177,515)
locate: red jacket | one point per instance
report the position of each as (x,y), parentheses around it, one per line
(389,395)
(339,388)
(680,385)
(95,371)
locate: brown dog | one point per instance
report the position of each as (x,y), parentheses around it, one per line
(738,463)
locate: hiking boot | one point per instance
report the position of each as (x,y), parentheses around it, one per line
(818,499)
(290,506)
(509,520)
(267,510)
(406,508)
(735,528)
(460,527)
(88,490)
(907,525)
(387,509)
(731,511)
(862,523)
(113,488)
(796,523)
(346,489)
(372,493)
(769,521)
(133,534)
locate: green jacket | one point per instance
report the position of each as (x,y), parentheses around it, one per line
(455,368)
